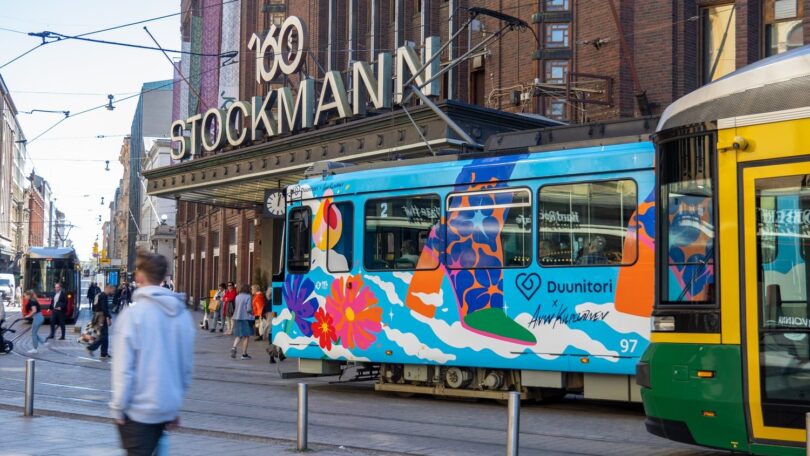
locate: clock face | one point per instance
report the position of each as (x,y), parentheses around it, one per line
(275,204)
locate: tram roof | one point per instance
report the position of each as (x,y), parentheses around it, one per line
(773,84)
(423,174)
(51,252)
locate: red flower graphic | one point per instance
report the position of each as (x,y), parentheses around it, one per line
(324,329)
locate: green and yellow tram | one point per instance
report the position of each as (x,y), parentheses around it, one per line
(729,362)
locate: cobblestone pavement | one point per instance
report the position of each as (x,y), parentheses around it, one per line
(233,401)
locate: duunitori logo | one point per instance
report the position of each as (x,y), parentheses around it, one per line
(583,286)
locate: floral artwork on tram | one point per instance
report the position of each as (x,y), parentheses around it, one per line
(421,273)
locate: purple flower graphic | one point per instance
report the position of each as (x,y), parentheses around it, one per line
(297,291)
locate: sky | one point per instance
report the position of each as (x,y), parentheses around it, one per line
(73,76)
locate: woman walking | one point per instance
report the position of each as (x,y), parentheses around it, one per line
(35,313)
(242,321)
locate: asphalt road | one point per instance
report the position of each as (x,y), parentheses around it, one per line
(248,400)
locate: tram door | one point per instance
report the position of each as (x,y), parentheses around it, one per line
(776,325)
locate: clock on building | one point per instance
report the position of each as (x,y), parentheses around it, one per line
(274,204)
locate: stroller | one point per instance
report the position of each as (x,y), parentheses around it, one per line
(6,345)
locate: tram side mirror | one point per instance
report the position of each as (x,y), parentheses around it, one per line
(773,301)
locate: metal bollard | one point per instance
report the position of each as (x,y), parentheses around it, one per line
(29,387)
(513,425)
(302,416)
(807,433)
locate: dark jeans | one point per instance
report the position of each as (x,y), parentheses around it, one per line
(57,318)
(103,341)
(140,439)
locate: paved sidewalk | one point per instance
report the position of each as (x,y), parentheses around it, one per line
(58,435)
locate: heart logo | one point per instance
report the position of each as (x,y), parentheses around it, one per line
(528,284)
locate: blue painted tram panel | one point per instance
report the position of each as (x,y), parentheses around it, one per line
(521,270)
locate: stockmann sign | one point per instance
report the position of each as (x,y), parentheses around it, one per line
(283,51)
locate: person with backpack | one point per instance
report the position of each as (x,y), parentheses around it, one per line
(216,314)
(102,321)
(154,359)
(242,321)
(126,296)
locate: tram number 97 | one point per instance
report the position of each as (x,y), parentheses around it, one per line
(628,345)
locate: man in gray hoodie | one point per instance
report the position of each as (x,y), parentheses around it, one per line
(151,372)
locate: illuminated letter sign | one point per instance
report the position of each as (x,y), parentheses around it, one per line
(282,51)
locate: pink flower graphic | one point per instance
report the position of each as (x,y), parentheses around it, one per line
(357,316)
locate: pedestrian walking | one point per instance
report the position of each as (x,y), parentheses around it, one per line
(154,359)
(102,321)
(92,292)
(272,350)
(216,313)
(227,307)
(258,304)
(126,296)
(242,321)
(58,311)
(35,314)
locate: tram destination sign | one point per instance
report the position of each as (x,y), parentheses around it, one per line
(283,52)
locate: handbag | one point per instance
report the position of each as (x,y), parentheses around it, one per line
(213,306)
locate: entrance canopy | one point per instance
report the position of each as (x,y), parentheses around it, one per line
(238,178)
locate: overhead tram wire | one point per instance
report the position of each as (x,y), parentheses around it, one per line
(137,94)
(97,31)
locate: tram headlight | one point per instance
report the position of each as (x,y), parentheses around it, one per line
(663,323)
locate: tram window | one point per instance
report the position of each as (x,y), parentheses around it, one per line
(396,231)
(299,241)
(584,224)
(489,229)
(339,237)
(687,223)
(782,229)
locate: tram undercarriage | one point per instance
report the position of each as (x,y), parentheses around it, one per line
(474,382)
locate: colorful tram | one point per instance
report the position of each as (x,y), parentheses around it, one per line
(729,362)
(528,271)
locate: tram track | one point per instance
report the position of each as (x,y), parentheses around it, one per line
(446,437)
(291,411)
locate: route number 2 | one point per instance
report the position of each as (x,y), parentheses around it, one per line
(628,345)
(383,210)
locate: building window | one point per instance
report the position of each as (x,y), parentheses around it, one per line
(215,240)
(396,231)
(277,19)
(232,267)
(718,41)
(477,87)
(587,223)
(556,71)
(557,35)
(783,25)
(216,277)
(299,240)
(251,235)
(498,221)
(250,265)
(340,237)
(555,108)
(556,5)
(231,235)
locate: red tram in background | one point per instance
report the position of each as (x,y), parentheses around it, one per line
(43,267)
